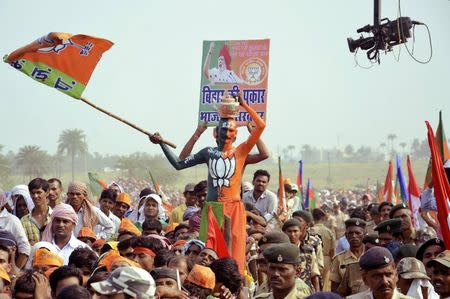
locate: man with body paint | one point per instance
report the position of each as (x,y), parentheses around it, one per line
(225,167)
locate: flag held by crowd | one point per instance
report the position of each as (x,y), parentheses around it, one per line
(282,208)
(403,194)
(96,184)
(442,148)
(60,60)
(441,187)
(388,191)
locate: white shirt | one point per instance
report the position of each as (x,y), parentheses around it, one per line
(67,250)
(104,224)
(267,203)
(115,220)
(12,224)
(225,76)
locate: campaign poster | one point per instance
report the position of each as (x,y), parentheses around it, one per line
(230,67)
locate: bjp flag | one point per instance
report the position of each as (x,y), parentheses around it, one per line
(60,60)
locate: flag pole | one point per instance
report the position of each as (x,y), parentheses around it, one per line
(125,121)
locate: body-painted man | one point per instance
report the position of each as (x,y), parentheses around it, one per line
(225,166)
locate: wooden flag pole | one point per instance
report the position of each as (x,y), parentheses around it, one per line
(125,122)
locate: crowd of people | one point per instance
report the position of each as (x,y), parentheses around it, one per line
(67,244)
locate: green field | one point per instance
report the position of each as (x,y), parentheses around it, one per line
(342,175)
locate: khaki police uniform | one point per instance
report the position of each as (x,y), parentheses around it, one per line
(329,245)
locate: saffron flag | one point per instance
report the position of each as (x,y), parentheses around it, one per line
(403,194)
(442,147)
(215,239)
(414,195)
(282,209)
(441,187)
(96,184)
(388,192)
(60,60)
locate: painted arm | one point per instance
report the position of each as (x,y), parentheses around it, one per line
(263,151)
(256,133)
(187,149)
(178,164)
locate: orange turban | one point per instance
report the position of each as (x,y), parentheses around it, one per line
(126,225)
(202,276)
(179,243)
(171,227)
(125,198)
(112,257)
(86,232)
(44,257)
(98,243)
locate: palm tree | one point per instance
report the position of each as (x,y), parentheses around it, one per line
(72,143)
(33,161)
(391,137)
(403,146)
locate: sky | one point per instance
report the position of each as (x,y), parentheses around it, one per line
(151,76)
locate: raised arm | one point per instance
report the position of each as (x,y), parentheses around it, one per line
(259,123)
(208,60)
(178,164)
(263,151)
(187,149)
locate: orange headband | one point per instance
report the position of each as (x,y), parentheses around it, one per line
(147,251)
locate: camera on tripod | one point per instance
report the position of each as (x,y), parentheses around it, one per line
(385,34)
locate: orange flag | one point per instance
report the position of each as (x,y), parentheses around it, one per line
(60,60)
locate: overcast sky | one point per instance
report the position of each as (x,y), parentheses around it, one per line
(151,76)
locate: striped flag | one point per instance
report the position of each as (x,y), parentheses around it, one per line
(60,60)
(96,184)
(300,177)
(414,194)
(215,239)
(310,197)
(441,187)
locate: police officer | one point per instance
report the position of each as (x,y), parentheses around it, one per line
(297,231)
(354,232)
(389,231)
(352,282)
(269,239)
(379,274)
(282,269)
(402,212)
(328,242)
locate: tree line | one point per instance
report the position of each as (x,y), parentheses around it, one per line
(72,155)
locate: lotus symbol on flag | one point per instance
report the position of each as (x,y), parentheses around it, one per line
(221,170)
(84,50)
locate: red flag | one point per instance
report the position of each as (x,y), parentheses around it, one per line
(387,189)
(414,194)
(215,239)
(442,147)
(441,187)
